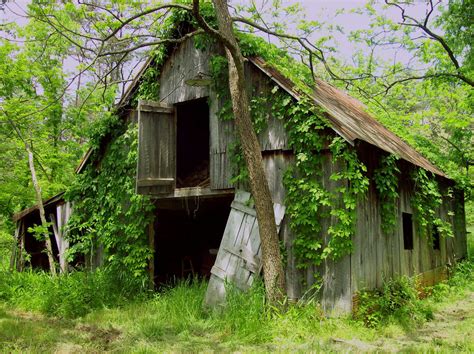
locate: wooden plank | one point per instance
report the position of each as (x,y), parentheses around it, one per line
(14,254)
(243,208)
(238,259)
(150,182)
(153,106)
(151,261)
(185,63)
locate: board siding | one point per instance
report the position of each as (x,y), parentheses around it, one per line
(156,167)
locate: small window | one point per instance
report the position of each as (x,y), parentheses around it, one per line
(436,239)
(407,231)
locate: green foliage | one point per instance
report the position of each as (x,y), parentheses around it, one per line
(396,301)
(426,202)
(70,295)
(386,178)
(309,198)
(7,243)
(107,211)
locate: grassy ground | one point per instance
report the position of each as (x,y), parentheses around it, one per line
(175,321)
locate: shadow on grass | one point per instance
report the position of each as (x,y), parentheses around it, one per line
(25,331)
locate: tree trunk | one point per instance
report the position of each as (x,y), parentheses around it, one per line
(39,201)
(271,259)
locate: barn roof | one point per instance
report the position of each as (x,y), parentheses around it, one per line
(58,198)
(347,116)
(350,119)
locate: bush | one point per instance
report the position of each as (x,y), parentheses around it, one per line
(70,296)
(396,301)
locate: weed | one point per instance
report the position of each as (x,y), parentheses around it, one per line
(69,296)
(397,300)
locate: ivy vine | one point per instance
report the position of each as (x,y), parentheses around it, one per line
(386,178)
(107,211)
(309,199)
(426,201)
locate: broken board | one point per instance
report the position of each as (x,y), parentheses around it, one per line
(239,258)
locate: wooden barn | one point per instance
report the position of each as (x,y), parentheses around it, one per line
(206,225)
(29,251)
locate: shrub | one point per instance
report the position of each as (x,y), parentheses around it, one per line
(396,301)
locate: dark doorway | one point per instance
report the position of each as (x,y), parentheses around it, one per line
(187,237)
(192,148)
(36,248)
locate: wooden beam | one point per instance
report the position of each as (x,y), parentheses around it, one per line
(153,106)
(197,192)
(151,261)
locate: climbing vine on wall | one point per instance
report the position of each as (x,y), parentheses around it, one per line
(309,198)
(426,201)
(386,182)
(107,211)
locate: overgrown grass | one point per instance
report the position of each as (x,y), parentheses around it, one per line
(397,301)
(67,296)
(99,311)
(112,318)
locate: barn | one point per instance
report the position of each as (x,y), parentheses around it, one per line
(204,221)
(29,251)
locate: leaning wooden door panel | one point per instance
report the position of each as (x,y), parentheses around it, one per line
(239,258)
(156,169)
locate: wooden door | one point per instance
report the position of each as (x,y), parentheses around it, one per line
(239,258)
(156,170)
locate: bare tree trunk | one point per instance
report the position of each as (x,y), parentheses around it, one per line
(39,201)
(271,258)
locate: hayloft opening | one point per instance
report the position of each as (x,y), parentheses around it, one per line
(188,232)
(192,149)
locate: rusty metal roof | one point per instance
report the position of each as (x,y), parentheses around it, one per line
(349,118)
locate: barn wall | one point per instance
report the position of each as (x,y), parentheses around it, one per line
(187,62)
(378,256)
(335,294)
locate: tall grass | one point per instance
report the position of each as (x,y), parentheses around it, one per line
(69,296)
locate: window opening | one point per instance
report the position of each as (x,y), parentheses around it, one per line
(436,239)
(407,231)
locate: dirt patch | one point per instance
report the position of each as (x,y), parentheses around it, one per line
(452,328)
(104,336)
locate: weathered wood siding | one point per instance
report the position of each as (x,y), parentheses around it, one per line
(378,256)
(186,62)
(460,236)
